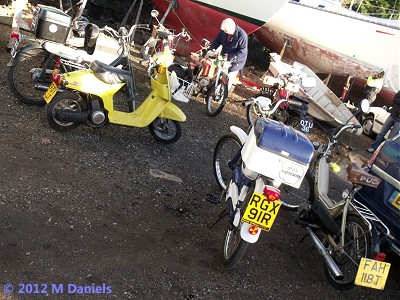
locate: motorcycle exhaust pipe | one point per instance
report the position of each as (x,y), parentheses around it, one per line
(42,87)
(337,274)
(80,117)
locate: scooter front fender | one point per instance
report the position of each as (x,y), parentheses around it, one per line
(172,112)
(239,132)
(21,52)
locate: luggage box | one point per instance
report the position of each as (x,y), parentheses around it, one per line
(277,151)
(50,23)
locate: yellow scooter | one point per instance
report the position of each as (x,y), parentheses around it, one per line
(87,98)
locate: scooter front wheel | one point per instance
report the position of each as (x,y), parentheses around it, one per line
(165,131)
(67,101)
(216,98)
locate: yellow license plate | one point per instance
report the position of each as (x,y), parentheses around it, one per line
(372,273)
(51,92)
(261,212)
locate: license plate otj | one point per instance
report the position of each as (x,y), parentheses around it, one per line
(372,273)
(261,212)
(50,93)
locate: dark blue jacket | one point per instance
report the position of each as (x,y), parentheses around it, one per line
(236,48)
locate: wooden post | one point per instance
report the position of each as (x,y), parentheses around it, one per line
(17,18)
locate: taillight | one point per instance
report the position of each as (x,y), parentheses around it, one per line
(15,35)
(283,94)
(271,193)
(57,78)
(372,160)
(380,256)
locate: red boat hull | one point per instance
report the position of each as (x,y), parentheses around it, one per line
(191,15)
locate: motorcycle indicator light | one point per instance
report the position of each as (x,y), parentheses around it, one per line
(253,230)
(271,193)
(380,256)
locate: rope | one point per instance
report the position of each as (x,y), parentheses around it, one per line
(179,19)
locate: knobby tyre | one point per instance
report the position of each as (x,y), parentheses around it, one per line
(30,76)
(357,245)
(234,246)
(165,130)
(225,150)
(216,98)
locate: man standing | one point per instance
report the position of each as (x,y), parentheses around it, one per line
(393,121)
(234,43)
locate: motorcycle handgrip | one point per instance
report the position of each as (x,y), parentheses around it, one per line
(295,103)
(247,102)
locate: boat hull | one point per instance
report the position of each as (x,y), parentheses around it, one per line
(203,18)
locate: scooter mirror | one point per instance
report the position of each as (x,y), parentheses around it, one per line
(365,105)
(205,42)
(154,13)
(308,82)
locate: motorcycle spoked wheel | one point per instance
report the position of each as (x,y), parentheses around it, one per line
(31,67)
(64,101)
(357,245)
(216,98)
(165,130)
(234,246)
(225,150)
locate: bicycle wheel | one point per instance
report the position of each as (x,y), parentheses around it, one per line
(216,99)
(234,247)
(30,76)
(225,150)
(291,197)
(357,245)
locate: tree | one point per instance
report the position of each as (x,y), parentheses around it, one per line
(388,9)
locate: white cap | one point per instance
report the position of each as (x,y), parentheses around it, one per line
(228,25)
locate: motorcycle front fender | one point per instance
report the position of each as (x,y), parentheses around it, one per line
(21,53)
(247,236)
(239,132)
(172,112)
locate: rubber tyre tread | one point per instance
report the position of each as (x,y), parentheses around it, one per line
(350,285)
(209,99)
(175,138)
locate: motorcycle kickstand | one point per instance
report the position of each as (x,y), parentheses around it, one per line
(220,217)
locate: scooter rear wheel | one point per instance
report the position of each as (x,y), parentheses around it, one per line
(216,99)
(69,101)
(234,246)
(357,245)
(165,130)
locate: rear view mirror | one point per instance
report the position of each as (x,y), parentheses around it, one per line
(206,43)
(308,82)
(154,13)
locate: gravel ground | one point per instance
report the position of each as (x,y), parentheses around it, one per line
(90,208)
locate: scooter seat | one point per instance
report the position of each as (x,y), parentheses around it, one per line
(109,74)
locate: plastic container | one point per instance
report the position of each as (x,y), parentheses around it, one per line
(51,24)
(277,151)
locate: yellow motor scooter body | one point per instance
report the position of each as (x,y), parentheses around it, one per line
(157,104)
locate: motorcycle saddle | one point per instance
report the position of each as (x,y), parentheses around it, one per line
(358,175)
(109,74)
